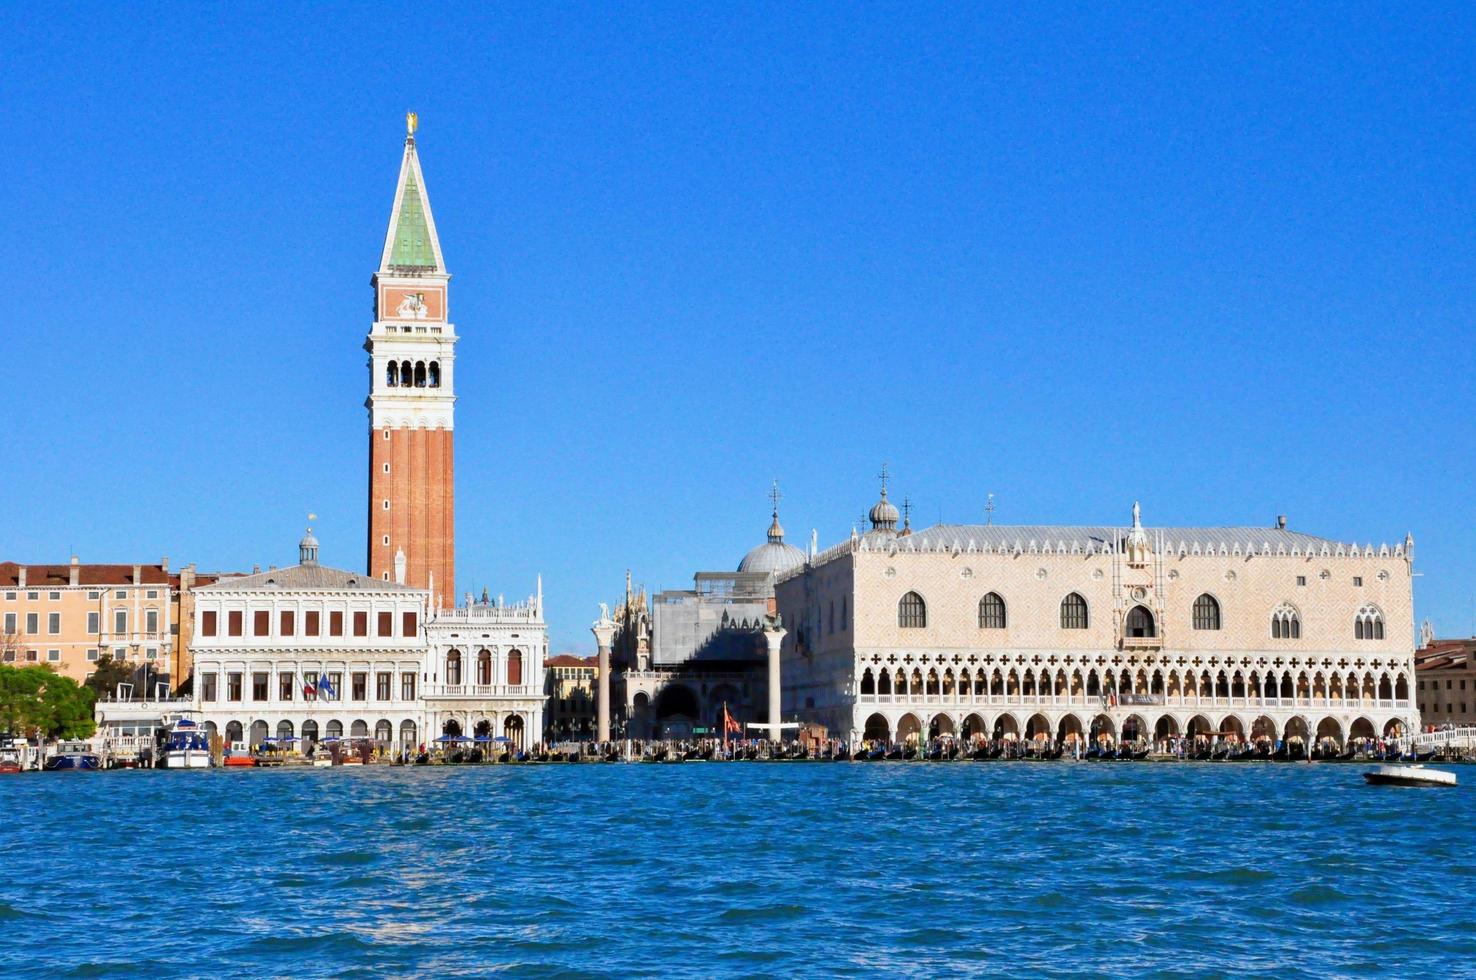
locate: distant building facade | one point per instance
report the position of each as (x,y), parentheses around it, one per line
(1445,681)
(1125,632)
(677,661)
(569,688)
(67,616)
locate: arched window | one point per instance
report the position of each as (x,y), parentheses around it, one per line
(1369,625)
(392,374)
(1073,612)
(912,612)
(484,667)
(453,667)
(1206,613)
(515,667)
(868,682)
(1285,623)
(992,612)
(1140,622)
(420,374)
(406,374)
(434,374)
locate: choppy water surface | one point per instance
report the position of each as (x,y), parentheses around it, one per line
(703,869)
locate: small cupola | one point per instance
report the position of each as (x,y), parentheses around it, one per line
(307,549)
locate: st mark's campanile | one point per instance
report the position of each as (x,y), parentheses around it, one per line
(412,350)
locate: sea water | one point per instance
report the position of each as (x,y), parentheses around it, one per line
(701,869)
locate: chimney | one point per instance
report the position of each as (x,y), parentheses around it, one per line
(75,573)
(164,564)
(20,577)
(255,569)
(137,574)
(1281,522)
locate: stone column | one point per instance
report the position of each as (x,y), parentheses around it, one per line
(774,635)
(604,632)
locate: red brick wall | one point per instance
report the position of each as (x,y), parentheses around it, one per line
(421,518)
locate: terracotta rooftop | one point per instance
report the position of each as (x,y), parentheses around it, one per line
(570,660)
(1444,654)
(41,576)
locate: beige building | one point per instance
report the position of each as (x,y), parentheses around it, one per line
(570,687)
(1445,682)
(67,616)
(1079,632)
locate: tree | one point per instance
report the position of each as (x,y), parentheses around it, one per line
(39,701)
(107,675)
(11,644)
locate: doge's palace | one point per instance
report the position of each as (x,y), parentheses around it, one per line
(1074,632)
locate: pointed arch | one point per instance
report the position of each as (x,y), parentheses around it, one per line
(992,613)
(1286,623)
(1369,623)
(1074,613)
(1206,612)
(912,612)
(1140,623)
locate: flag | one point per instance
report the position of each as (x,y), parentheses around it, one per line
(309,690)
(730,725)
(326,687)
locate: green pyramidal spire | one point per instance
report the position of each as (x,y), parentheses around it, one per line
(412,247)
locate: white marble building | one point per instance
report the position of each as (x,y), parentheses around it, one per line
(397,670)
(1132,633)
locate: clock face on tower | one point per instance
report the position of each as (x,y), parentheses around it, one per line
(418,302)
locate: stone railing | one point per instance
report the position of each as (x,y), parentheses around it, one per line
(482,691)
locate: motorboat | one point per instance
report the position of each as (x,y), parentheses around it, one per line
(237,755)
(11,760)
(184,744)
(73,757)
(1409,776)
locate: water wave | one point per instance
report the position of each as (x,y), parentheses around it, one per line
(906,868)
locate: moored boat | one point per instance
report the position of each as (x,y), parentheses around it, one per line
(184,744)
(13,755)
(238,755)
(73,757)
(1389,775)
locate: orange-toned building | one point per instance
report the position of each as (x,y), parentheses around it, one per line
(412,349)
(67,616)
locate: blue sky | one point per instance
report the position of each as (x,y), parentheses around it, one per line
(1219,259)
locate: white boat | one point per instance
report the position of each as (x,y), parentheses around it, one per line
(184,744)
(1409,776)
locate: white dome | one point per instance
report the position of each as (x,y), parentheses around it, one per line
(772,557)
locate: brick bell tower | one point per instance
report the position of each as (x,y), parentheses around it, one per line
(412,349)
